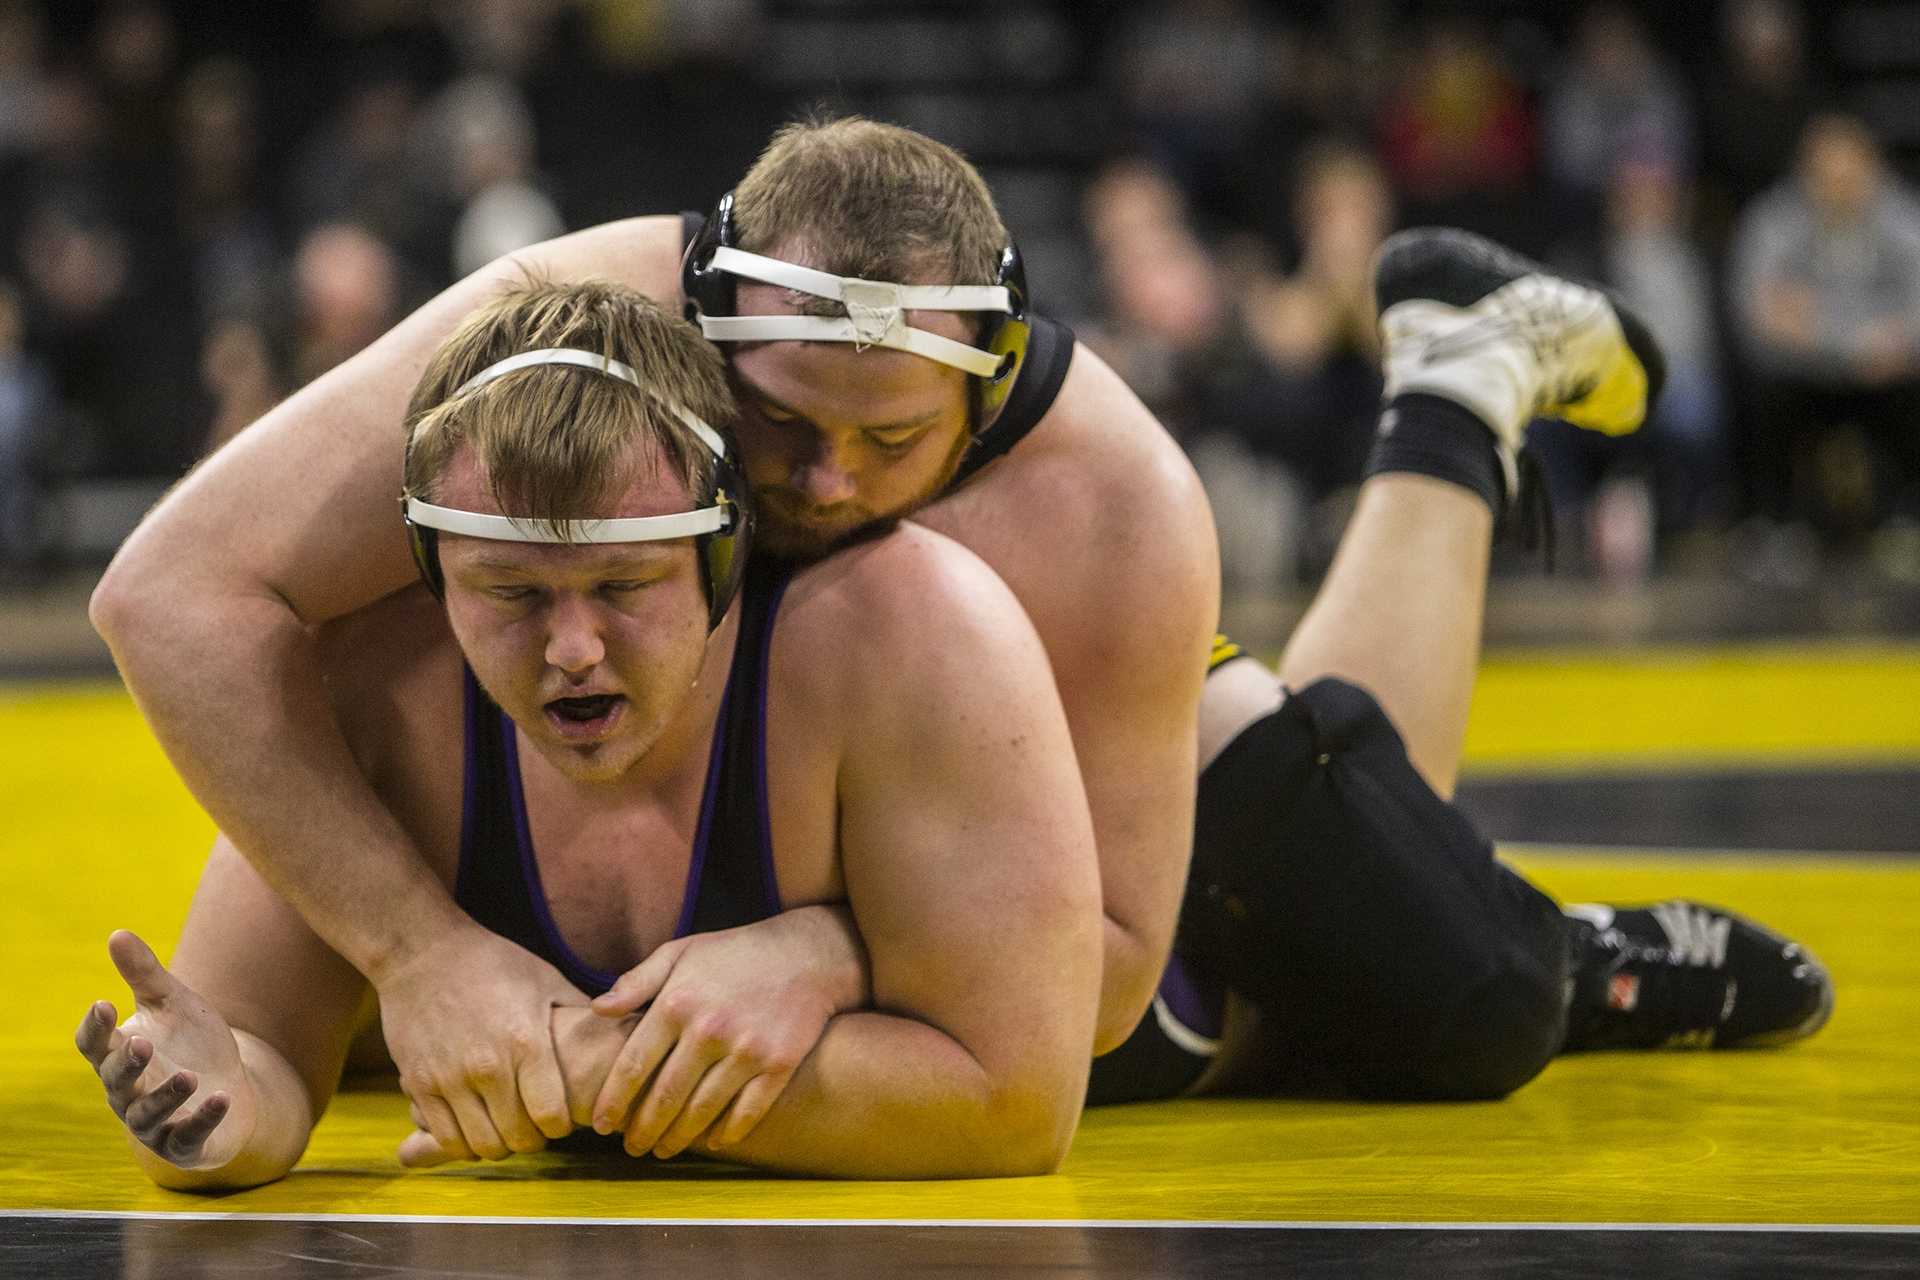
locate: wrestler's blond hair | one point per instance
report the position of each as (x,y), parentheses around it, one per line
(556,439)
(857,197)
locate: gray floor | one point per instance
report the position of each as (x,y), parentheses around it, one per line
(102,1248)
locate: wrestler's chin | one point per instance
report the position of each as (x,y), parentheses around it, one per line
(593,763)
(597,760)
(791,540)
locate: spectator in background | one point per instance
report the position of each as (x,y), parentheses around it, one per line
(1622,499)
(487,140)
(1758,100)
(498,38)
(27,410)
(1315,327)
(347,292)
(243,374)
(1826,286)
(68,161)
(221,216)
(1614,97)
(113,342)
(22,39)
(1194,77)
(135,48)
(1174,333)
(1457,138)
(365,164)
(1330,82)
(1165,305)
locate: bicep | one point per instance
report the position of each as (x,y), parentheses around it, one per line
(967,851)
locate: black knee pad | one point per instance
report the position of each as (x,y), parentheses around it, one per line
(1364,915)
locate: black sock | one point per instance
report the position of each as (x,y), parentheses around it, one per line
(1433,436)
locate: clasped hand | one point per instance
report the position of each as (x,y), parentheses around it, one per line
(694,1044)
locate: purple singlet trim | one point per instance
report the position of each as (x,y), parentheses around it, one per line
(767,873)
(697,865)
(570,962)
(1200,1011)
(574,967)
(470,784)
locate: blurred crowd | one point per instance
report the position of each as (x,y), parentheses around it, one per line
(203,207)
(1725,191)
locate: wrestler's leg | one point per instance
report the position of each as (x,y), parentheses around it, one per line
(1399,613)
(1332,885)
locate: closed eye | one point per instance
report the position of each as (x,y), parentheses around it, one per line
(895,441)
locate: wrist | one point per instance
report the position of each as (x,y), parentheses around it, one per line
(846,981)
(396,951)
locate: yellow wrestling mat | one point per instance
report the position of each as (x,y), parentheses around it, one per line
(98,835)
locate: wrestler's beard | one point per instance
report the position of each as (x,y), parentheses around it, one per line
(785,525)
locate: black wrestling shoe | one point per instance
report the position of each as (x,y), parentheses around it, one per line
(1475,323)
(1684,975)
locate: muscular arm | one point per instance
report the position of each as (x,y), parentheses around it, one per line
(208,609)
(1113,555)
(968,860)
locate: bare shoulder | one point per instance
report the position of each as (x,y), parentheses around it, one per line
(899,611)
(1098,523)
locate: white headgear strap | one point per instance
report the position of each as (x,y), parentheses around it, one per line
(876,311)
(685,524)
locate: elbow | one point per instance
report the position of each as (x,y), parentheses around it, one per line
(123,606)
(1032,1120)
(237,1176)
(114,604)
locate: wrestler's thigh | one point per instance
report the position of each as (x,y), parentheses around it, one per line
(1386,947)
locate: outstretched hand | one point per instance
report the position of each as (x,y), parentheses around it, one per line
(173,1072)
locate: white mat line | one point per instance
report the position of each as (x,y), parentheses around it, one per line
(1210,1224)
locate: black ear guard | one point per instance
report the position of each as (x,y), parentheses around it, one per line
(711,291)
(723,554)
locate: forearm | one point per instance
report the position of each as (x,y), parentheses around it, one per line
(232,691)
(884,1096)
(282,1120)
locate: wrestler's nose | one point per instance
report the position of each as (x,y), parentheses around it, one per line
(823,481)
(574,642)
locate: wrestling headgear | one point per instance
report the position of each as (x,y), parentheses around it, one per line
(722,532)
(876,310)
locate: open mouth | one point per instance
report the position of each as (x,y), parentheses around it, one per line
(584,717)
